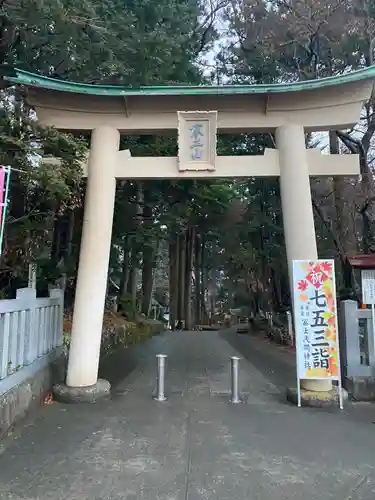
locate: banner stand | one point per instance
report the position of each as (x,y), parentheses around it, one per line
(299,391)
(341,402)
(316,325)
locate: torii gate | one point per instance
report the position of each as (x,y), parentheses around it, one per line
(197,113)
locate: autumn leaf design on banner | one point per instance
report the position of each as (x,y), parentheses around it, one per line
(316,319)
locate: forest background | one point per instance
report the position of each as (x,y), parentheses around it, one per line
(194,247)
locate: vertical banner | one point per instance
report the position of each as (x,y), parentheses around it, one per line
(368,293)
(316,325)
(4,192)
(368,286)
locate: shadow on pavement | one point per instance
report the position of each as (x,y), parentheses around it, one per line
(119,365)
(264,357)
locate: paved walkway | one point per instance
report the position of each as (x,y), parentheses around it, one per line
(196,446)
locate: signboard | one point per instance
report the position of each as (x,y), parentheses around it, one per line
(368,293)
(368,286)
(315,319)
(197,140)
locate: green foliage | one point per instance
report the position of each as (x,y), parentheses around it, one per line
(144,42)
(108,41)
(104,41)
(127,307)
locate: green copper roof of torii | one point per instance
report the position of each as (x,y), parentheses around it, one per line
(21,77)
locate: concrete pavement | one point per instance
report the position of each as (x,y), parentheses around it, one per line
(195,446)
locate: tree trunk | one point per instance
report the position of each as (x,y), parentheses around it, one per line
(181,278)
(204,279)
(276,289)
(125,270)
(148,253)
(132,281)
(190,237)
(58,227)
(231,294)
(345,210)
(76,244)
(62,243)
(133,276)
(212,284)
(147,278)
(368,209)
(173,279)
(212,288)
(198,278)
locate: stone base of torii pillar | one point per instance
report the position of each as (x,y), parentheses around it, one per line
(316,399)
(90,394)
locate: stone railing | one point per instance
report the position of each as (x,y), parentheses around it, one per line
(356,340)
(31,331)
(357,349)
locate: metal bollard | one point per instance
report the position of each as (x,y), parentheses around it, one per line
(235,397)
(160,396)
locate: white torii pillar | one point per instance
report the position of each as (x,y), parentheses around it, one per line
(82,383)
(296,202)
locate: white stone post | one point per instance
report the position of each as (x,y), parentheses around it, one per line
(94,259)
(298,217)
(32,275)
